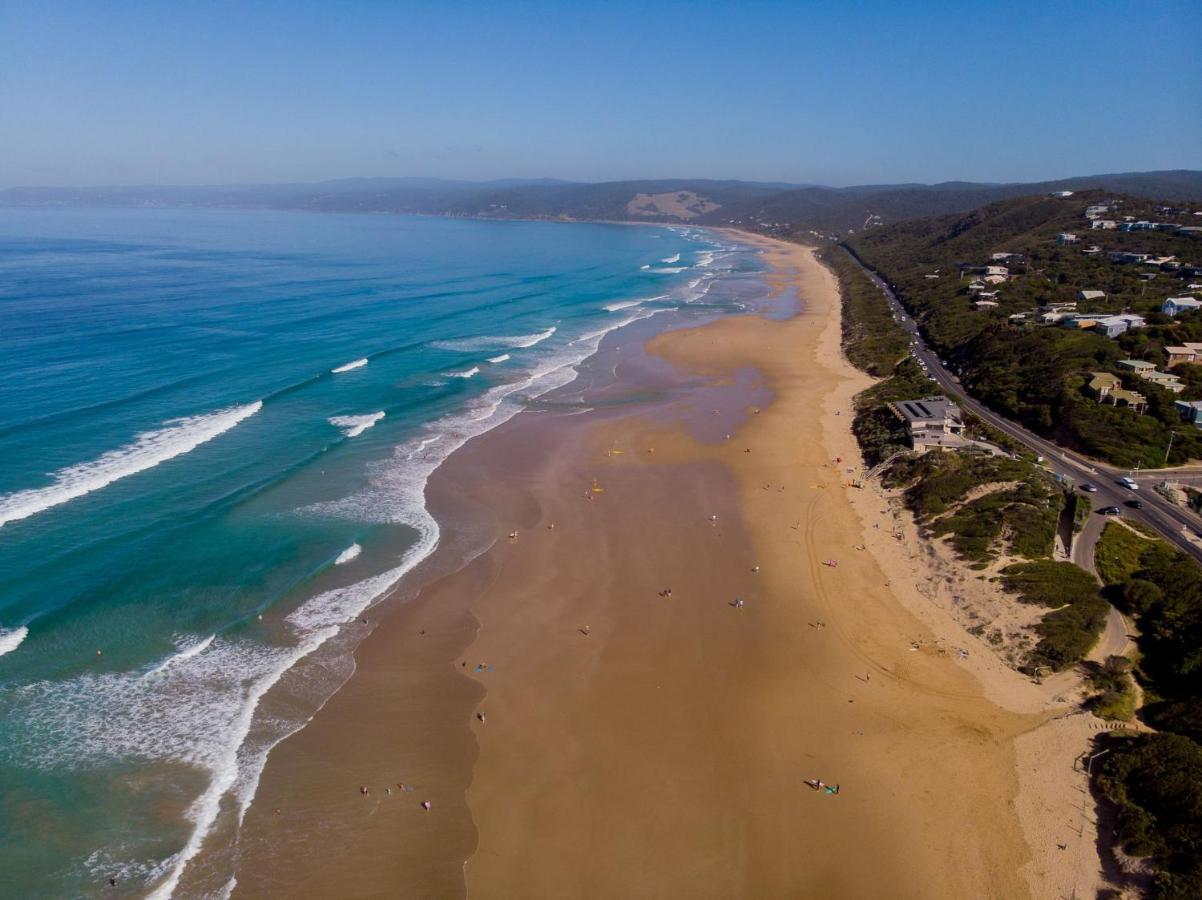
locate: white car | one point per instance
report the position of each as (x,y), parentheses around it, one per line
(1129,483)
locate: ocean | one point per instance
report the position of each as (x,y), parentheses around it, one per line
(216,429)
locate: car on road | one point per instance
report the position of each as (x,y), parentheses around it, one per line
(1129,483)
(1109,511)
(1089,488)
(1133,504)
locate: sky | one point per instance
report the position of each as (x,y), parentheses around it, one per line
(837,92)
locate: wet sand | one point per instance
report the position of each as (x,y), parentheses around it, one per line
(663,752)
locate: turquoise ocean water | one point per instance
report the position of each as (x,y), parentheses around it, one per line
(215,433)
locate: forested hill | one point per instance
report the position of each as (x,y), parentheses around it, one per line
(998,292)
(773,207)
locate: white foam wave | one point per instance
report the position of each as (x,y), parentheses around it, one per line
(348,554)
(356,364)
(186,653)
(353,426)
(466,373)
(626,304)
(11,638)
(498,342)
(179,436)
(669,270)
(645,266)
(675,257)
(498,359)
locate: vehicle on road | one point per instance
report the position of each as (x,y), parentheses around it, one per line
(1133,504)
(1109,511)
(1089,488)
(1129,483)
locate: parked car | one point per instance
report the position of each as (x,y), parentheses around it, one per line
(1089,488)
(1109,511)
(1129,483)
(1134,504)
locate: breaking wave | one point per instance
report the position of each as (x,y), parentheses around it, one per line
(353,426)
(179,436)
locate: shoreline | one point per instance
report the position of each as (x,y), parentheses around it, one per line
(483,612)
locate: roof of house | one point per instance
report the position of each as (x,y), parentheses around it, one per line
(1139,365)
(1103,380)
(1184,301)
(937,407)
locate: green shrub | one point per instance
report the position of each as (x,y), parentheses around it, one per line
(1155,781)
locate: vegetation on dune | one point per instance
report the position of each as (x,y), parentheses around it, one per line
(1116,695)
(1019,516)
(872,339)
(1070,630)
(1155,782)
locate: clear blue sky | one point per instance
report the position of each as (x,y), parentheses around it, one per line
(836,92)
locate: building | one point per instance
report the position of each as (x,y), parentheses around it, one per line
(1092,250)
(1091,295)
(1149,373)
(1104,224)
(1185,353)
(1062,194)
(1174,305)
(1113,326)
(1065,238)
(1122,256)
(932,422)
(1109,387)
(1189,410)
(985,304)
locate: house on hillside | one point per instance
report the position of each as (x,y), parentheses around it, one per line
(1104,224)
(1106,386)
(932,422)
(985,304)
(1123,256)
(1092,250)
(1064,238)
(1091,295)
(1187,352)
(1113,326)
(1189,410)
(1174,305)
(1149,373)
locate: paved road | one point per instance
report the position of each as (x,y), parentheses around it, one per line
(1115,639)
(1176,525)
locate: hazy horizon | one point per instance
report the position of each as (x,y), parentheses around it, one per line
(141,94)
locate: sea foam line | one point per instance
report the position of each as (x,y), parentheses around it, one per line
(356,364)
(148,449)
(466,373)
(11,638)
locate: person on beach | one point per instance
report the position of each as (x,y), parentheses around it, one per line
(426,804)
(831,789)
(586,631)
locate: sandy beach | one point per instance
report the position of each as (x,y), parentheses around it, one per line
(638,744)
